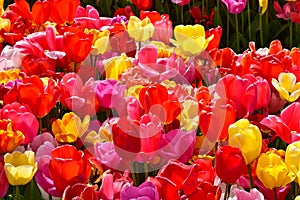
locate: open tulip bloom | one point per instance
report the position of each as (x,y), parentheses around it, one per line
(149,100)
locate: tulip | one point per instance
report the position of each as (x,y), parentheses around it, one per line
(140,31)
(190,39)
(247,137)
(163,30)
(9,139)
(142,4)
(285,126)
(292,159)
(100,41)
(230,164)
(287,87)
(235,6)
(22,120)
(9,75)
(20,167)
(189,118)
(146,190)
(68,166)
(116,66)
(263,4)
(63,11)
(254,194)
(4,185)
(181,2)
(70,127)
(272,171)
(80,191)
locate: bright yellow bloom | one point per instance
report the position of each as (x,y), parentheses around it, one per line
(272,171)
(4,23)
(100,41)
(247,137)
(70,127)
(9,75)
(189,118)
(292,161)
(190,39)
(140,30)
(20,167)
(9,139)
(115,66)
(287,87)
(263,4)
(1,7)
(134,91)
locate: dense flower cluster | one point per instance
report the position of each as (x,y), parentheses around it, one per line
(132,107)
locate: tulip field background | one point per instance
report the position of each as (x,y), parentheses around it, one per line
(149,100)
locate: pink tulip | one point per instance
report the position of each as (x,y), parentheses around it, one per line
(163,30)
(181,2)
(235,6)
(254,194)
(22,120)
(104,90)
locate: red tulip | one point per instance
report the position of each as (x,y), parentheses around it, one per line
(77,45)
(127,12)
(215,42)
(215,119)
(63,11)
(142,4)
(41,11)
(22,8)
(126,138)
(68,166)
(230,164)
(80,191)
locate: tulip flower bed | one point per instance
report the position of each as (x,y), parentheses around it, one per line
(139,107)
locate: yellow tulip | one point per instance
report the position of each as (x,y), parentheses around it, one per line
(272,171)
(140,30)
(189,118)
(292,161)
(9,75)
(102,136)
(247,137)
(4,23)
(287,87)
(9,139)
(190,39)
(263,4)
(100,41)
(70,127)
(20,167)
(134,91)
(115,66)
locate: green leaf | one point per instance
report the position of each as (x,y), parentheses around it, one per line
(32,191)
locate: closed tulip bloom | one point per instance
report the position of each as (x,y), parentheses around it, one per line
(9,139)
(70,127)
(235,6)
(140,30)
(20,167)
(272,171)
(247,137)
(263,4)
(115,66)
(230,164)
(190,39)
(292,159)
(287,87)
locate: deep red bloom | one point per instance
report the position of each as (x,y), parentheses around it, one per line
(152,15)
(230,164)
(142,4)
(215,42)
(126,138)
(68,166)
(127,12)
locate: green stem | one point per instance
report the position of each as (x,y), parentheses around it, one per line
(249,20)
(261,29)
(243,21)
(237,33)
(17,194)
(250,176)
(275,194)
(181,12)
(227,191)
(108,8)
(227,33)
(134,178)
(218,13)
(146,170)
(40,125)
(296,189)
(291,34)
